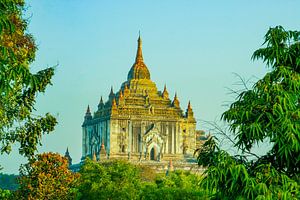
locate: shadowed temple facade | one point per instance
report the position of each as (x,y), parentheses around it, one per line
(138,122)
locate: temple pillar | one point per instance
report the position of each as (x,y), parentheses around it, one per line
(167,140)
(173,139)
(178,138)
(129,136)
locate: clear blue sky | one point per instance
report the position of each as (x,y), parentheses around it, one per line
(192,46)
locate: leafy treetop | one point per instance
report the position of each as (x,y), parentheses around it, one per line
(269,111)
(18,85)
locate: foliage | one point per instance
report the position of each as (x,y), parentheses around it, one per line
(5,194)
(123,180)
(109,180)
(8,181)
(18,85)
(47,177)
(176,185)
(179,179)
(152,192)
(268,111)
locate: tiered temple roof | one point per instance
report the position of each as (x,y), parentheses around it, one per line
(139,95)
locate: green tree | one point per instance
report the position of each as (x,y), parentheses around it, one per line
(18,85)
(5,194)
(47,177)
(176,185)
(269,111)
(109,180)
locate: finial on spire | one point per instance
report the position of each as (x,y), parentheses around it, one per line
(101,104)
(165,93)
(67,155)
(139,54)
(88,114)
(120,93)
(189,111)
(126,91)
(114,103)
(189,106)
(175,102)
(88,109)
(111,94)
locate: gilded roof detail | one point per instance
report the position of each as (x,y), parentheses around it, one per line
(139,96)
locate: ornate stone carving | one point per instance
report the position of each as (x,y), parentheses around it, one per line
(140,122)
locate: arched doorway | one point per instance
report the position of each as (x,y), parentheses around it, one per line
(153,154)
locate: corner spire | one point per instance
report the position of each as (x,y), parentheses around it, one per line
(139,54)
(175,102)
(165,93)
(88,115)
(101,104)
(88,111)
(111,94)
(189,112)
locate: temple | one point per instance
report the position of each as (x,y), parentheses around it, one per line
(138,122)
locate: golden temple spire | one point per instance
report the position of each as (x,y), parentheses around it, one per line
(189,106)
(165,93)
(114,103)
(139,69)
(114,109)
(175,102)
(126,91)
(139,54)
(189,111)
(120,94)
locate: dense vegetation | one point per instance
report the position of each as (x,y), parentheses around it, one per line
(122,180)
(47,176)
(18,86)
(269,111)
